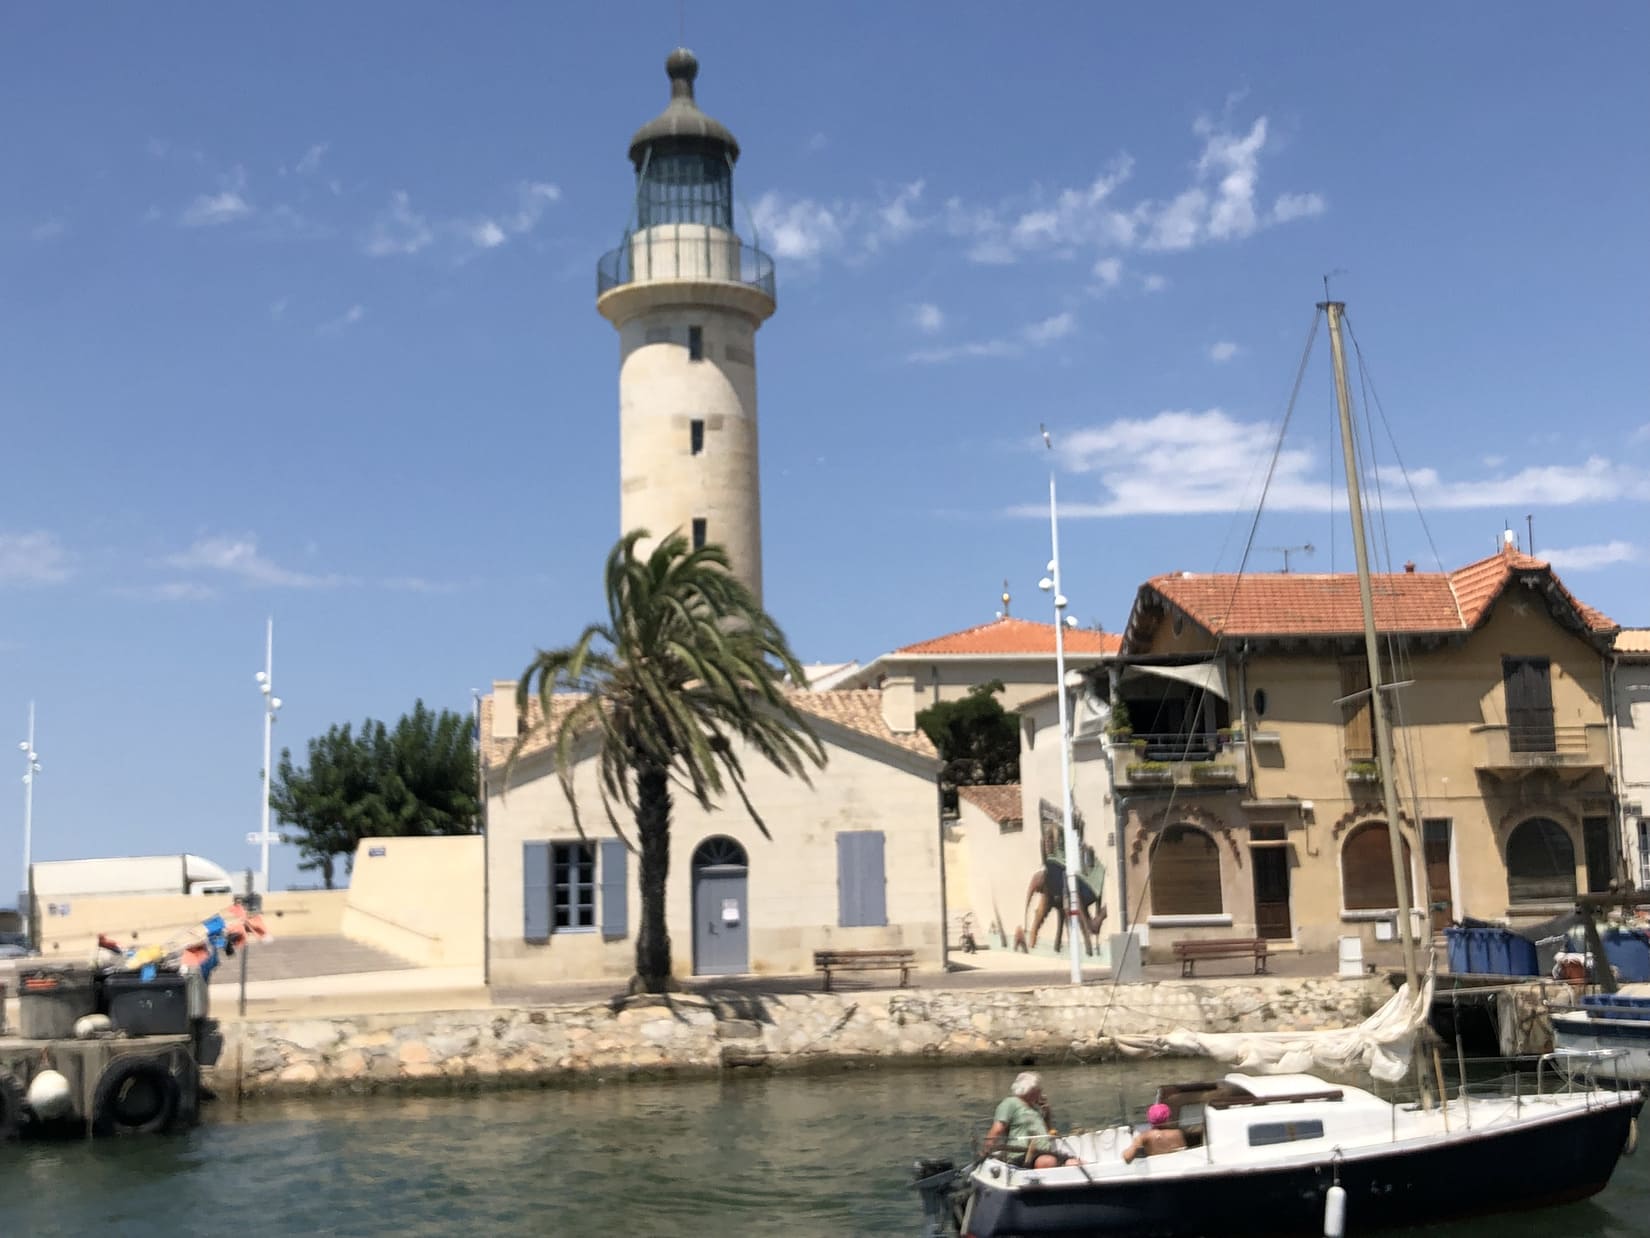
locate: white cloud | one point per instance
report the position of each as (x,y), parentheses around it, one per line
(311,162)
(929,318)
(801,228)
(212,209)
(239,557)
(1597,480)
(169,591)
(48,229)
(1032,335)
(33,558)
(1586,558)
(1223,350)
(1109,271)
(398,229)
(1185,462)
(1642,434)
(1153,283)
(344,321)
(487,235)
(532,198)
(1291,206)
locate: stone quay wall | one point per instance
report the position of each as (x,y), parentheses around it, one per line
(705,1033)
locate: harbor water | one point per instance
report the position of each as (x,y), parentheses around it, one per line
(756,1154)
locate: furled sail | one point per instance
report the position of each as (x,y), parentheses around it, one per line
(1381,1044)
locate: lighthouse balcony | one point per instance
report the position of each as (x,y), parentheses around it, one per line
(693,252)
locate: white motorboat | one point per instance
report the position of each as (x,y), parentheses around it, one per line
(1617,1024)
(1266,1154)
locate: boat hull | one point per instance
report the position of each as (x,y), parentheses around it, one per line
(1569,1158)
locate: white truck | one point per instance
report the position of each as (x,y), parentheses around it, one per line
(58,881)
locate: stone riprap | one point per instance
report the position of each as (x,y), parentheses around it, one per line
(704,1033)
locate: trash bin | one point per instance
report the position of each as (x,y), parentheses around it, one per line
(1629,953)
(51,999)
(159,1006)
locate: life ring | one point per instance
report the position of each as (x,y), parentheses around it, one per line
(13,1108)
(135,1096)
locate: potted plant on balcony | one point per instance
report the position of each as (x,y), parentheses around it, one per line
(1363,771)
(1215,773)
(1145,773)
(1119,731)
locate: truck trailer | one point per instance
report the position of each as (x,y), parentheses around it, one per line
(132,876)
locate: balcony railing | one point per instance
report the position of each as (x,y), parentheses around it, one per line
(688,252)
(1582,745)
(1144,761)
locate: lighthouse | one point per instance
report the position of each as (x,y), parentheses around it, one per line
(687,295)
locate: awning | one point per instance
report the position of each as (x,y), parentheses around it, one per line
(1210,676)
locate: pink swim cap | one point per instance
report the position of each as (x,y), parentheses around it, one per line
(1158,1114)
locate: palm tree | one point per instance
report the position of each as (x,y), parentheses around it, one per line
(686,664)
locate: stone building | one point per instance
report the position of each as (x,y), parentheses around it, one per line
(1630,719)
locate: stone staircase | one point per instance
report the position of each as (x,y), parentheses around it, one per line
(294,958)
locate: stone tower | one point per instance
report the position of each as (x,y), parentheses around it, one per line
(687,296)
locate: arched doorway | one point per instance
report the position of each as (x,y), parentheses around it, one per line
(1185,876)
(721,934)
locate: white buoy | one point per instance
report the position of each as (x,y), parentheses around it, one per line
(89,1025)
(49,1095)
(1334,1212)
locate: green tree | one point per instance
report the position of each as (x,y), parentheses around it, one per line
(977,738)
(682,679)
(418,778)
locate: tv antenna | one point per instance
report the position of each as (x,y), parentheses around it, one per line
(1304,549)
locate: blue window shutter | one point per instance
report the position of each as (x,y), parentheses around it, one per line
(535,891)
(862,897)
(615,885)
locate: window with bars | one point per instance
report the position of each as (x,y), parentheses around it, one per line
(686,187)
(1541,862)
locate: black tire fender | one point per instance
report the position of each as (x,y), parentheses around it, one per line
(135,1096)
(14,1106)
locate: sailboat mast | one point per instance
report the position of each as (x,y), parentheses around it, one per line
(1372,650)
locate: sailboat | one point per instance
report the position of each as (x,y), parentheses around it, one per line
(1285,1153)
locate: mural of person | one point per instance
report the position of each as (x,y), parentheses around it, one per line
(1046,890)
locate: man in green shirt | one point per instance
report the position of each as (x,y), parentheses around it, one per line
(1020,1124)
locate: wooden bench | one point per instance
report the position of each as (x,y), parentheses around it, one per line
(1189,952)
(828,961)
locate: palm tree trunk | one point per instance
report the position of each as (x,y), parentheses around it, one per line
(653,836)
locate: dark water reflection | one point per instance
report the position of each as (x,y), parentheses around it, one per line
(793,1155)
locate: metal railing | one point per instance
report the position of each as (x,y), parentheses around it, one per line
(684,251)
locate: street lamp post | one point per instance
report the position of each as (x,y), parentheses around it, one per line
(1051,584)
(272,706)
(31,767)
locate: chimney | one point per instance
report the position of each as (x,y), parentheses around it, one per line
(505,723)
(1409,567)
(899,703)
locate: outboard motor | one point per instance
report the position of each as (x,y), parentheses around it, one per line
(936,1180)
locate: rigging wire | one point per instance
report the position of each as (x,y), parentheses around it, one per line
(1200,697)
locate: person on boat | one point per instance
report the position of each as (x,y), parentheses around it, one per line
(1160,1138)
(1022,1123)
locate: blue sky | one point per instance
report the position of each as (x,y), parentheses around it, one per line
(298,320)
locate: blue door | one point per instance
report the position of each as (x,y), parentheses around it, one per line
(721,933)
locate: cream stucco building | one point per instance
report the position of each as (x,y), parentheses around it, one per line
(1246,794)
(853,862)
(1630,701)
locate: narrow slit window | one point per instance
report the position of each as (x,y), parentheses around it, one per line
(696,436)
(696,343)
(699,532)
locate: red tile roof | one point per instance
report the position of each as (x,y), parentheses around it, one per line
(1014,636)
(1633,641)
(1307,604)
(1000,802)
